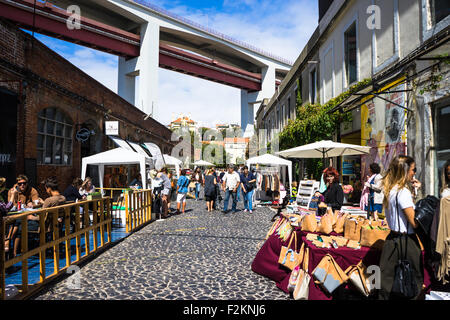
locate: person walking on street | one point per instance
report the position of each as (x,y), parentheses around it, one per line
(165,192)
(231,182)
(247,184)
(182,190)
(199,181)
(210,189)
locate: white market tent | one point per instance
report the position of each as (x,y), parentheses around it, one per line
(203,163)
(118,156)
(271,160)
(172,161)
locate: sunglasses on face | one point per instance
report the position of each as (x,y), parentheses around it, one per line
(21,183)
(415,170)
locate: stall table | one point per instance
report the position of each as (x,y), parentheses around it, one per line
(266,262)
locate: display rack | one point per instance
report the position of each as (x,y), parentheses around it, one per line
(306,190)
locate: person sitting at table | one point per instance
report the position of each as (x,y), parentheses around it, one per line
(27,195)
(72,192)
(3,190)
(4,209)
(137,182)
(87,187)
(333,195)
(55,199)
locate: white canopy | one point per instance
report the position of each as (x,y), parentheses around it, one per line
(203,163)
(172,161)
(271,160)
(157,155)
(113,157)
(324,149)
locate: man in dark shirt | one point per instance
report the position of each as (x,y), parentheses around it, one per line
(71,193)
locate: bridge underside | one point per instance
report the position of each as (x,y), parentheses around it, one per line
(206,63)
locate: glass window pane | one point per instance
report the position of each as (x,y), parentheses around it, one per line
(41,124)
(58,151)
(350,54)
(68,131)
(67,158)
(50,127)
(59,116)
(59,129)
(40,141)
(39,156)
(48,149)
(50,113)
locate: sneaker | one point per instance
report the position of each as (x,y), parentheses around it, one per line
(245,210)
(250,211)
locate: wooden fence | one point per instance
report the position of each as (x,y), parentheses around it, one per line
(57,226)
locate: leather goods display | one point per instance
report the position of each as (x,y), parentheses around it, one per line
(341,241)
(301,291)
(311,236)
(326,224)
(359,277)
(309,223)
(339,225)
(352,229)
(353,244)
(374,236)
(289,257)
(329,274)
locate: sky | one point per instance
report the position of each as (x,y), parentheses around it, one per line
(281,27)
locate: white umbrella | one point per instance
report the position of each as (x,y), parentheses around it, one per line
(324,149)
(203,163)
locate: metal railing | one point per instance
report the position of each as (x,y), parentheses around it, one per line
(57,227)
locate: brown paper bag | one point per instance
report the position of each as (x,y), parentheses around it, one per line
(326,224)
(373,237)
(352,230)
(339,226)
(309,223)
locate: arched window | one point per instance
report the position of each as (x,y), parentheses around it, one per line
(54,137)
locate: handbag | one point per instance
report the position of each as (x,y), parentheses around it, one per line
(352,229)
(309,223)
(295,273)
(301,291)
(326,224)
(374,237)
(288,257)
(329,274)
(359,277)
(404,286)
(339,226)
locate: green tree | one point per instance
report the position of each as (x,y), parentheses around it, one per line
(315,122)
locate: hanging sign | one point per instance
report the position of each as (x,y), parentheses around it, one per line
(112,128)
(83,135)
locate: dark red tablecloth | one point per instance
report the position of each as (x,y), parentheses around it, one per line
(266,262)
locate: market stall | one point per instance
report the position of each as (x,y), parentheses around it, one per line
(351,242)
(273,162)
(118,156)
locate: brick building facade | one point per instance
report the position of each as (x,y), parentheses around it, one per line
(39,88)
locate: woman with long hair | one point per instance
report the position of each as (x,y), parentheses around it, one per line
(87,187)
(402,242)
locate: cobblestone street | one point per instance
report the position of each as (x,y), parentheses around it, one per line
(196,255)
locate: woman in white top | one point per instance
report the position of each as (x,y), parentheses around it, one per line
(445,190)
(402,243)
(87,187)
